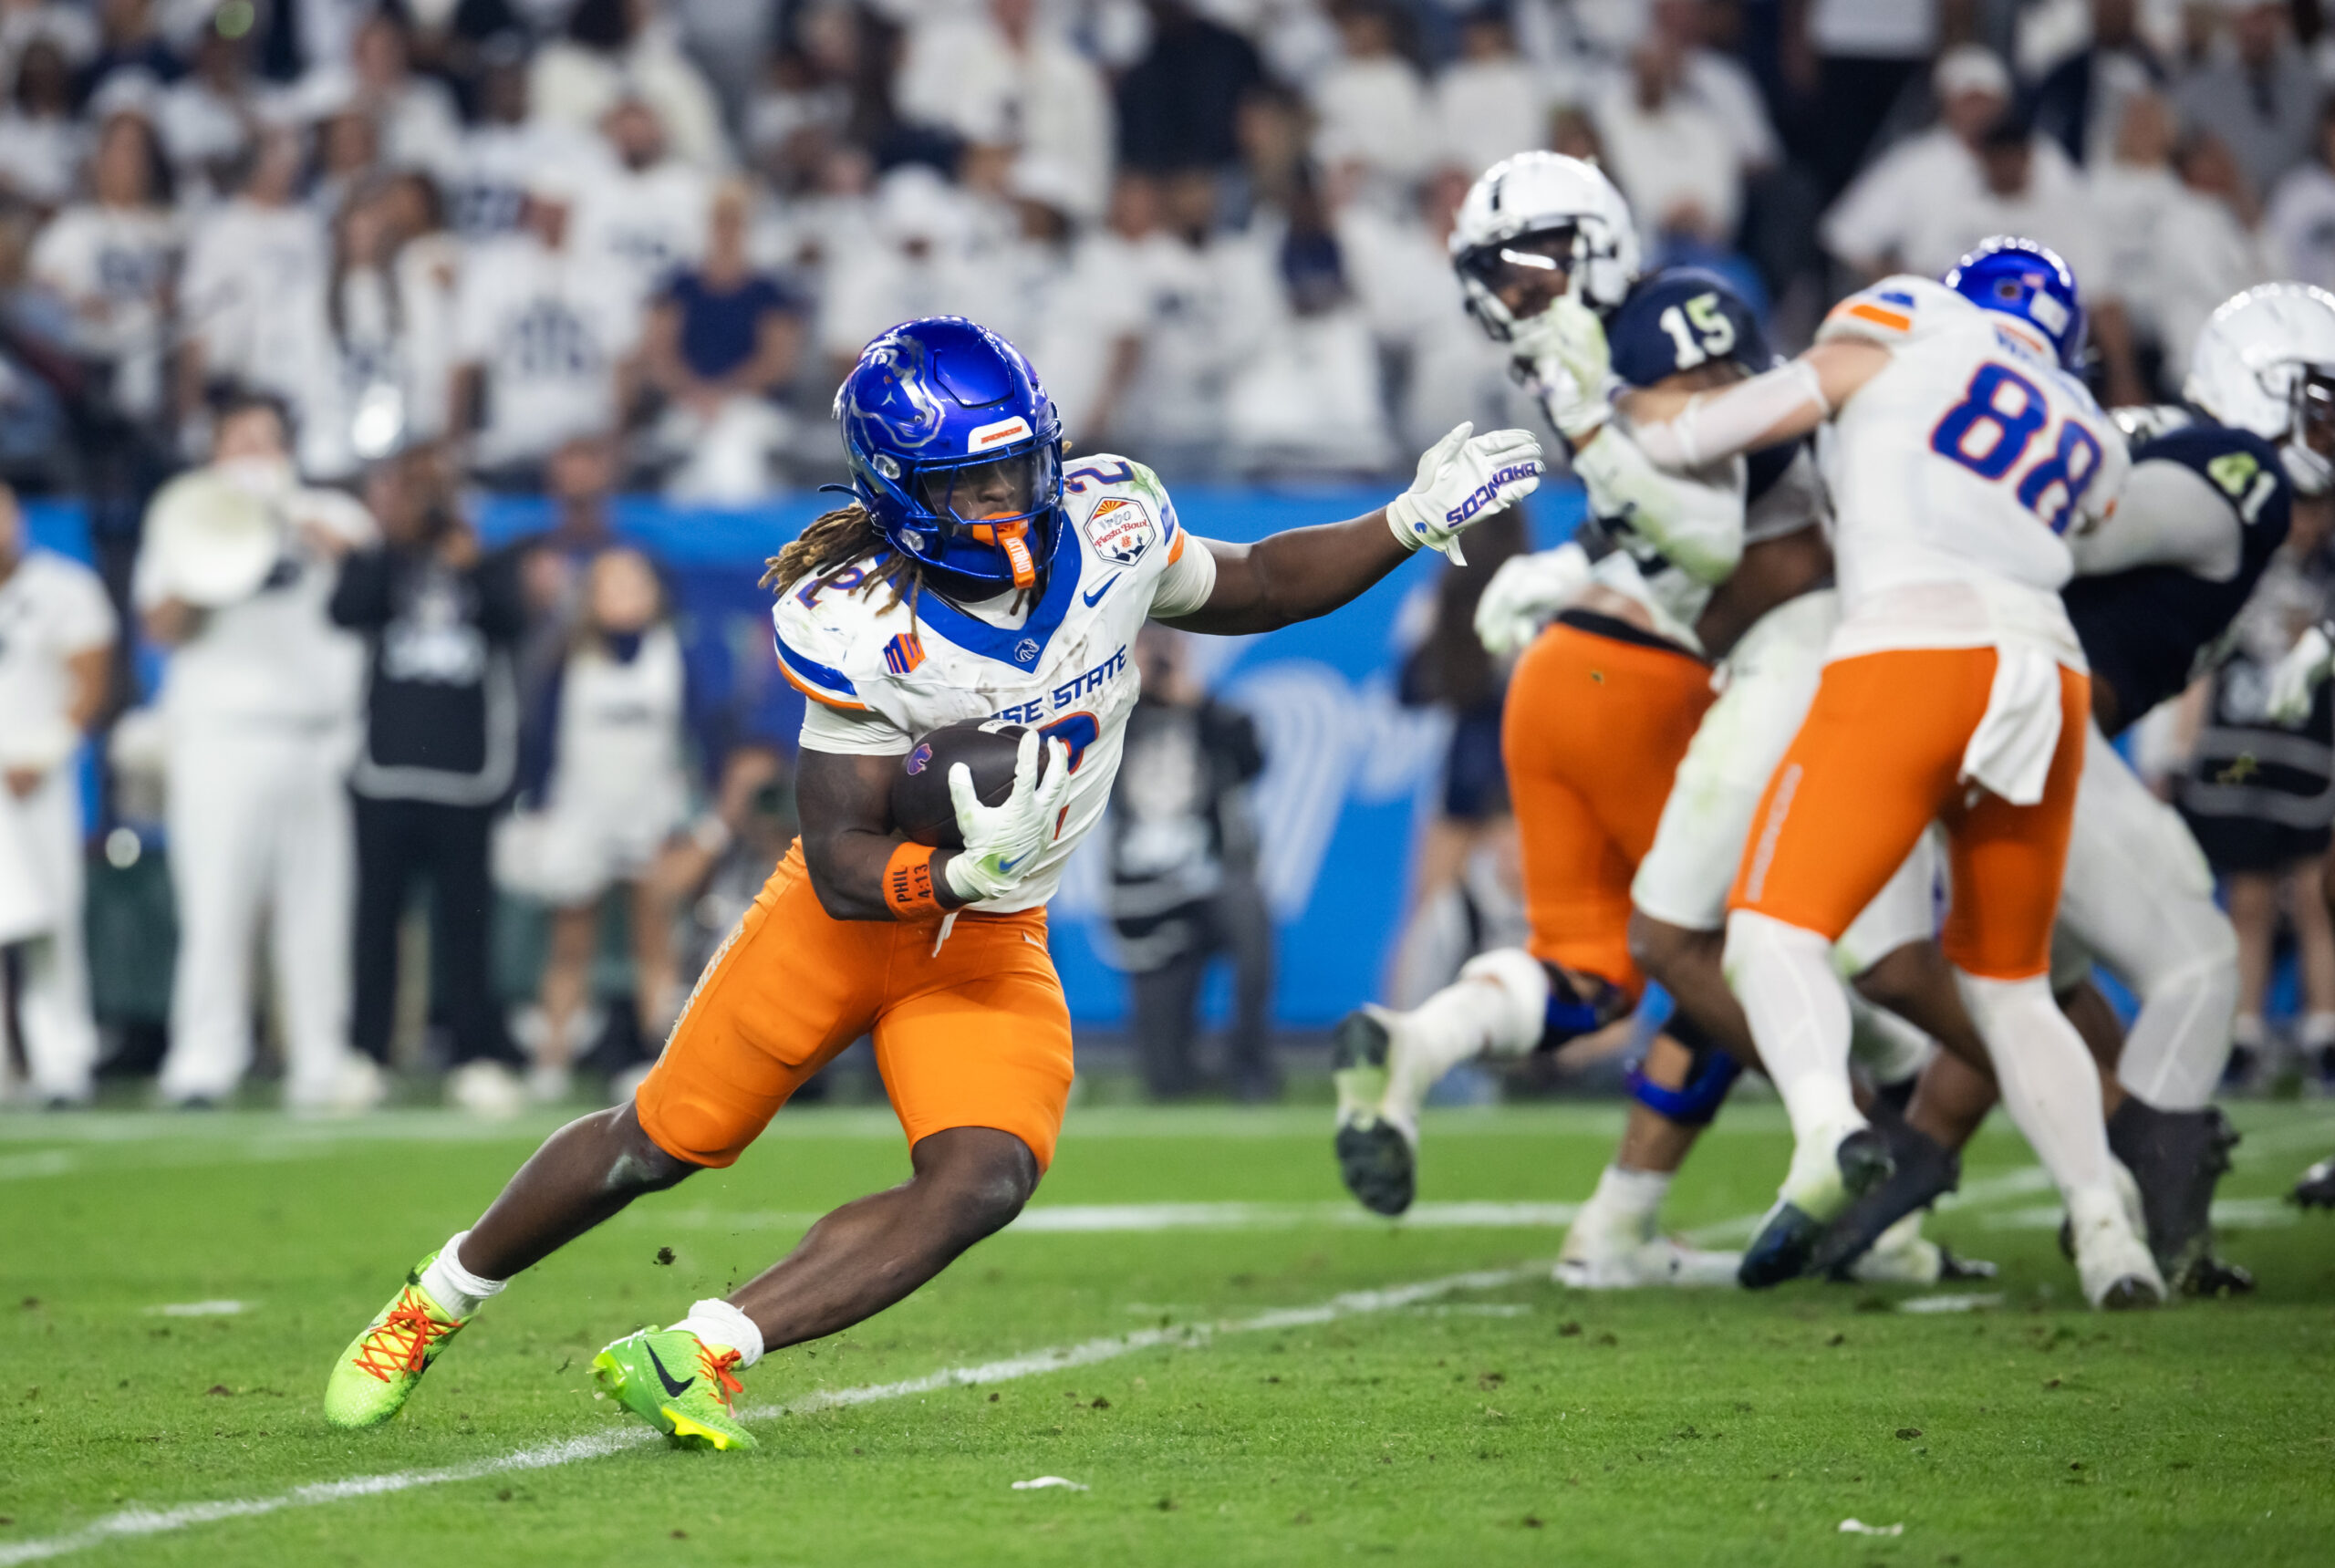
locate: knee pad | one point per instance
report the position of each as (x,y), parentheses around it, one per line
(1712,1073)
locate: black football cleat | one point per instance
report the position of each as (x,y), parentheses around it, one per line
(1924,1171)
(2177,1158)
(1787,1238)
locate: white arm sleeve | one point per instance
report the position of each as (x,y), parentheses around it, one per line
(2168,514)
(1695,520)
(853,735)
(1185,582)
(1716,425)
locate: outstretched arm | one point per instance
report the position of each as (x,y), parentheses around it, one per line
(1307,572)
(1786,402)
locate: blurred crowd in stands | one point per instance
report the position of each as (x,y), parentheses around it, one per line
(432,250)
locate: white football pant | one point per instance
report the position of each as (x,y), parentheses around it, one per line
(53,1004)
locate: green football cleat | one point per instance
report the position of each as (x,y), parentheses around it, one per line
(370,1381)
(677,1384)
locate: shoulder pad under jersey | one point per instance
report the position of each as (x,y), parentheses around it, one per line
(819,621)
(1896,311)
(2241,466)
(1679,319)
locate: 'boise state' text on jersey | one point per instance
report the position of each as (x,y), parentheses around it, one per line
(2150,630)
(1067,669)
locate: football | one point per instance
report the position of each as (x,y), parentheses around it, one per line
(920,805)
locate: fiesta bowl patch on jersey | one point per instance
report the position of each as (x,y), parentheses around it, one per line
(1119,529)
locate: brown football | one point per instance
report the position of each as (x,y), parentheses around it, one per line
(920,805)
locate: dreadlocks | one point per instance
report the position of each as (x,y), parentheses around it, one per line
(833,542)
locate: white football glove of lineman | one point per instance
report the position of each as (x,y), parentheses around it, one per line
(1565,348)
(2294,679)
(1462,480)
(1525,593)
(1001,840)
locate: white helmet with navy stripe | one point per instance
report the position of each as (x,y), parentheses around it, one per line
(1544,193)
(2266,362)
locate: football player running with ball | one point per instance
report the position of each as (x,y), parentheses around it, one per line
(971,578)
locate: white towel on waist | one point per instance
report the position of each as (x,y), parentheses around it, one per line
(2009,752)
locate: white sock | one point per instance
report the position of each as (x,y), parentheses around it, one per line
(1497,1007)
(718,1323)
(454,1287)
(2049,1083)
(2318,1031)
(1627,1200)
(1782,974)
(2247,1030)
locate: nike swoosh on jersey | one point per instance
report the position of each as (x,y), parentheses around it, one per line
(1097,597)
(675,1389)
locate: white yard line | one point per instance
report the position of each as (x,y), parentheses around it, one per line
(1104,1219)
(133,1522)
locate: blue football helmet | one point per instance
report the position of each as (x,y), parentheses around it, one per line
(956,451)
(2022,278)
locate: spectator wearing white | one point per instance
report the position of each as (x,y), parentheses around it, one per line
(252,263)
(487,184)
(1883,222)
(1210,297)
(416,116)
(643,215)
(2255,93)
(42,143)
(543,338)
(1666,148)
(607,792)
(920,263)
(2080,101)
(721,341)
(2212,248)
(1068,301)
(2136,191)
(1717,78)
(1000,77)
(209,117)
(616,48)
(72,30)
(428,272)
(111,262)
(1401,272)
(1370,108)
(260,704)
(2300,228)
(57,637)
(1491,100)
(1309,398)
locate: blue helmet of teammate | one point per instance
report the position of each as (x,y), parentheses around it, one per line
(956,451)
(2023,279)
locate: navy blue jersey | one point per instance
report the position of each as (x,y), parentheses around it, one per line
(2149,631)
(1682,319)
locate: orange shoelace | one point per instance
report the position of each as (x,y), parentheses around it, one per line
(717,1372)
(402,1343)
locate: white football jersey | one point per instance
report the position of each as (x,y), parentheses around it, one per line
(879,680)
(51,609)
(1966,461)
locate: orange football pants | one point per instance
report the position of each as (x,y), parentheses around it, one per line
(1597,718)
(1878,758)
(976,1034)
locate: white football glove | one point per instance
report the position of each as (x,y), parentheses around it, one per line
(1569,362)
(2294,679)
(1526,594)
(1001,840)
(1462,480)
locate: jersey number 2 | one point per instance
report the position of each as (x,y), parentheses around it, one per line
(1989,430)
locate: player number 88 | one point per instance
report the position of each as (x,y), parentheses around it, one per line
(1990,429)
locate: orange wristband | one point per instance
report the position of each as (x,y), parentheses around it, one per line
(907,884)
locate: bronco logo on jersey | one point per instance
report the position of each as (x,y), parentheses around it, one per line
(1119,529)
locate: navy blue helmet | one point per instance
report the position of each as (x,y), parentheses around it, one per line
(2022,278)
(956,451)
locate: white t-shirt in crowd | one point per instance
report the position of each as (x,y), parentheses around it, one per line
(248,268)
(1205,311)
(51,609)
(198,125)
(40,159)
(486,183)
(1375,112)
(1048,100)
(1926,203)
(1486,110)
(548,328)
(2299,227)
(644,224)
(274,658)
(1671,157)
(1880,29)
(1402,274)
(113,266)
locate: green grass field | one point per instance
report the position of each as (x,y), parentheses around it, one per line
(1273,1383)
